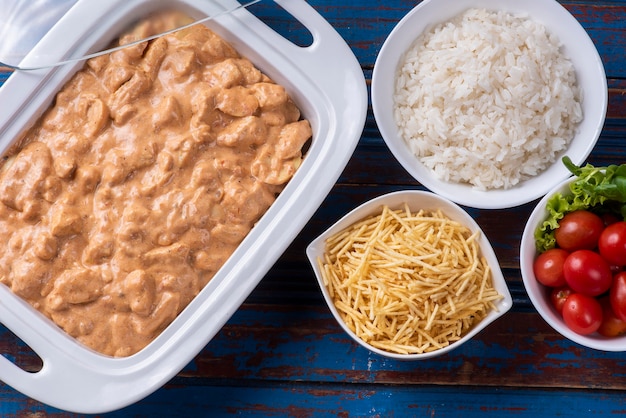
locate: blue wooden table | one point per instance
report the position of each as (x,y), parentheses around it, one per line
(282,353)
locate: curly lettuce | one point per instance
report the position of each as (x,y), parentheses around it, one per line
(599,189)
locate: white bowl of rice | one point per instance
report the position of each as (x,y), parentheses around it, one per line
(409,275)
(479,99)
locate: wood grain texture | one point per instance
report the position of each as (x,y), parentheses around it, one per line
(283,354)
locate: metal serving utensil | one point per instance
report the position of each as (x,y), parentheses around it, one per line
(19,67)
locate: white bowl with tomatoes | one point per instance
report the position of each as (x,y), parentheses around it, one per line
(573,260)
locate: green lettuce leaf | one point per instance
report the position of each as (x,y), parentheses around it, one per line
(599,189)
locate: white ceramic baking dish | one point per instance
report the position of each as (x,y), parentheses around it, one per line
(326,82)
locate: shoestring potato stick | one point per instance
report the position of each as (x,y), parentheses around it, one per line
(408,282)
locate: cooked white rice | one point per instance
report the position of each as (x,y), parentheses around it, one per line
(487,98)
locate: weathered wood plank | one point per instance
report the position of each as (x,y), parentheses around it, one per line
(304,399)
(276,343)
(282,342)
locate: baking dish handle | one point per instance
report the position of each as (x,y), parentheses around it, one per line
(62,377)
(312,59)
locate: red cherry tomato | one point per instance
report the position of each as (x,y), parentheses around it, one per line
(558,296)
(582,313)
(548,267)
(618,295)
(586,272)
(611,325)
(579,230)
(612,243)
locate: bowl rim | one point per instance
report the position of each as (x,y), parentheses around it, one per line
(416,199)
(589,69)
(537,293)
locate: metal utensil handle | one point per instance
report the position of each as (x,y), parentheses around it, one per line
(128,45)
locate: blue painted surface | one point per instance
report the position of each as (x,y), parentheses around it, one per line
(366,401)
(311,400)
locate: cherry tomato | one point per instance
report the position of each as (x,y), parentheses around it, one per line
(579,230)
(612,243)
(582,313)
(548,267)
(618,295)
(587,272)
(558,296)
(611,325)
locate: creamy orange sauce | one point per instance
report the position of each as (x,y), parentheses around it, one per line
(134,188)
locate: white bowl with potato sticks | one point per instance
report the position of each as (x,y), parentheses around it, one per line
(479,99)
(409,275)
(570,256)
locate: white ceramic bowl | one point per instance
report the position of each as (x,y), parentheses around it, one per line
(577,46)
(76,379)
(539,294)
(416,200)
